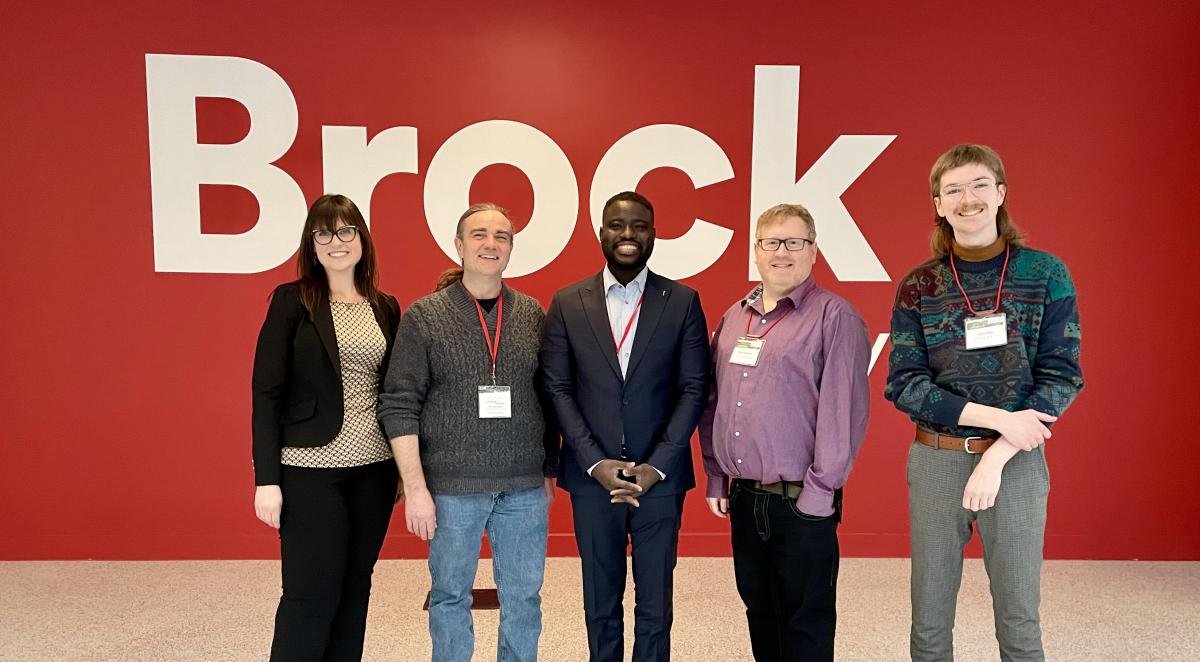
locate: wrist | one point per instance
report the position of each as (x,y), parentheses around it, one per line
(994,418)
(1000,453)
(987,464)
(1007,446)
(978,415)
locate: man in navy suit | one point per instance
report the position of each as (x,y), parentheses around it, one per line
(625,359)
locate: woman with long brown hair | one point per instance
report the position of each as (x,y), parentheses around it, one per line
(323,470)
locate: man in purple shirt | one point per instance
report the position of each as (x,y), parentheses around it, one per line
(785,418)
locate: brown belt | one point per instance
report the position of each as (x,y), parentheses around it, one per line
(970,445)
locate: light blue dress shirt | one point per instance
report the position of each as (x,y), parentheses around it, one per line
(622,301)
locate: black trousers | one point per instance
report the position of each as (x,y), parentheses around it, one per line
(786,565)
(603,532)
(332,529)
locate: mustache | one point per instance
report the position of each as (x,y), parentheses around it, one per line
(963,209)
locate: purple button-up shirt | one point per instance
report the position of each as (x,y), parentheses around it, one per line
(800,414)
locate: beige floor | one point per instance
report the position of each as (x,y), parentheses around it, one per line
(213,611)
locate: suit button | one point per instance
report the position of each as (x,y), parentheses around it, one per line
(624,402)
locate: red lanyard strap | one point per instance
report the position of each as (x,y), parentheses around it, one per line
(628,325)
(493,346)
(999,289)
(750,318)
(750,315)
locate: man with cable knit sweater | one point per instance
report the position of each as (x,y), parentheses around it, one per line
(465,422)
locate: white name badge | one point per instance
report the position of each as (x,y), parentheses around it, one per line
(495,402)
(986,331)
(746,351)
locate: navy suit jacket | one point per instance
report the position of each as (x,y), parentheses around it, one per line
(656,406)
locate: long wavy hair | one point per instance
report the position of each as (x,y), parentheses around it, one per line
(324,214)
(941,242)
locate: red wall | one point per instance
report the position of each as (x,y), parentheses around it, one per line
(126,389)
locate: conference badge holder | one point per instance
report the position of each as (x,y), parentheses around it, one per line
(746,351)
(495,402)
(986,331)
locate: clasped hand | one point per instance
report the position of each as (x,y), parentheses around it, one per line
(608,474)
(1026,429)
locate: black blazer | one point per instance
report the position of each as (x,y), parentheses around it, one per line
(656,407)
(297,381)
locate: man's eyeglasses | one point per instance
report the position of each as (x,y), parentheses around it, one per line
(346,234)
(791,244)
(978,188)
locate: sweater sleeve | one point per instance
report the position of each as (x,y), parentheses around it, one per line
(551,437)
(910,384)
(407,382)
(1057,376)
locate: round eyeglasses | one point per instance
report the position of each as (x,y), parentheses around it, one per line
(792,244)
(346,234)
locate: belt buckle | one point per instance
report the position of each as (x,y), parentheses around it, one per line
(967,445)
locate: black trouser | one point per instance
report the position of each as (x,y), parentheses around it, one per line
(604,531)
(786,566)
(333,525)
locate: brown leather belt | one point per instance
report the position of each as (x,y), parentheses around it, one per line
(969,445)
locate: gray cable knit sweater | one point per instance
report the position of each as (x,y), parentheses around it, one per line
(439,360)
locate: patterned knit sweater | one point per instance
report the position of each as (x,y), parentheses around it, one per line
(932,375)
(439,361)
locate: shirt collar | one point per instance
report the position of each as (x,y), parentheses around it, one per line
(639,280)
(754,297)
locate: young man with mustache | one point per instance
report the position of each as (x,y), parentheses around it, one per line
(625,363)
(985,356)
(785,419)
(466,425)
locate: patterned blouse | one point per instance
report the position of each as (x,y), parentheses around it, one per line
(361,346)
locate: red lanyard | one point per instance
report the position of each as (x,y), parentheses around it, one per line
(493,346)
(628,325)
(1000,289)
(750,316)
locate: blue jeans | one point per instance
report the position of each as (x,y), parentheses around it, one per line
(516,528)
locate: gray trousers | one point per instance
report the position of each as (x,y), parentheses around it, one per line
(1012,533)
